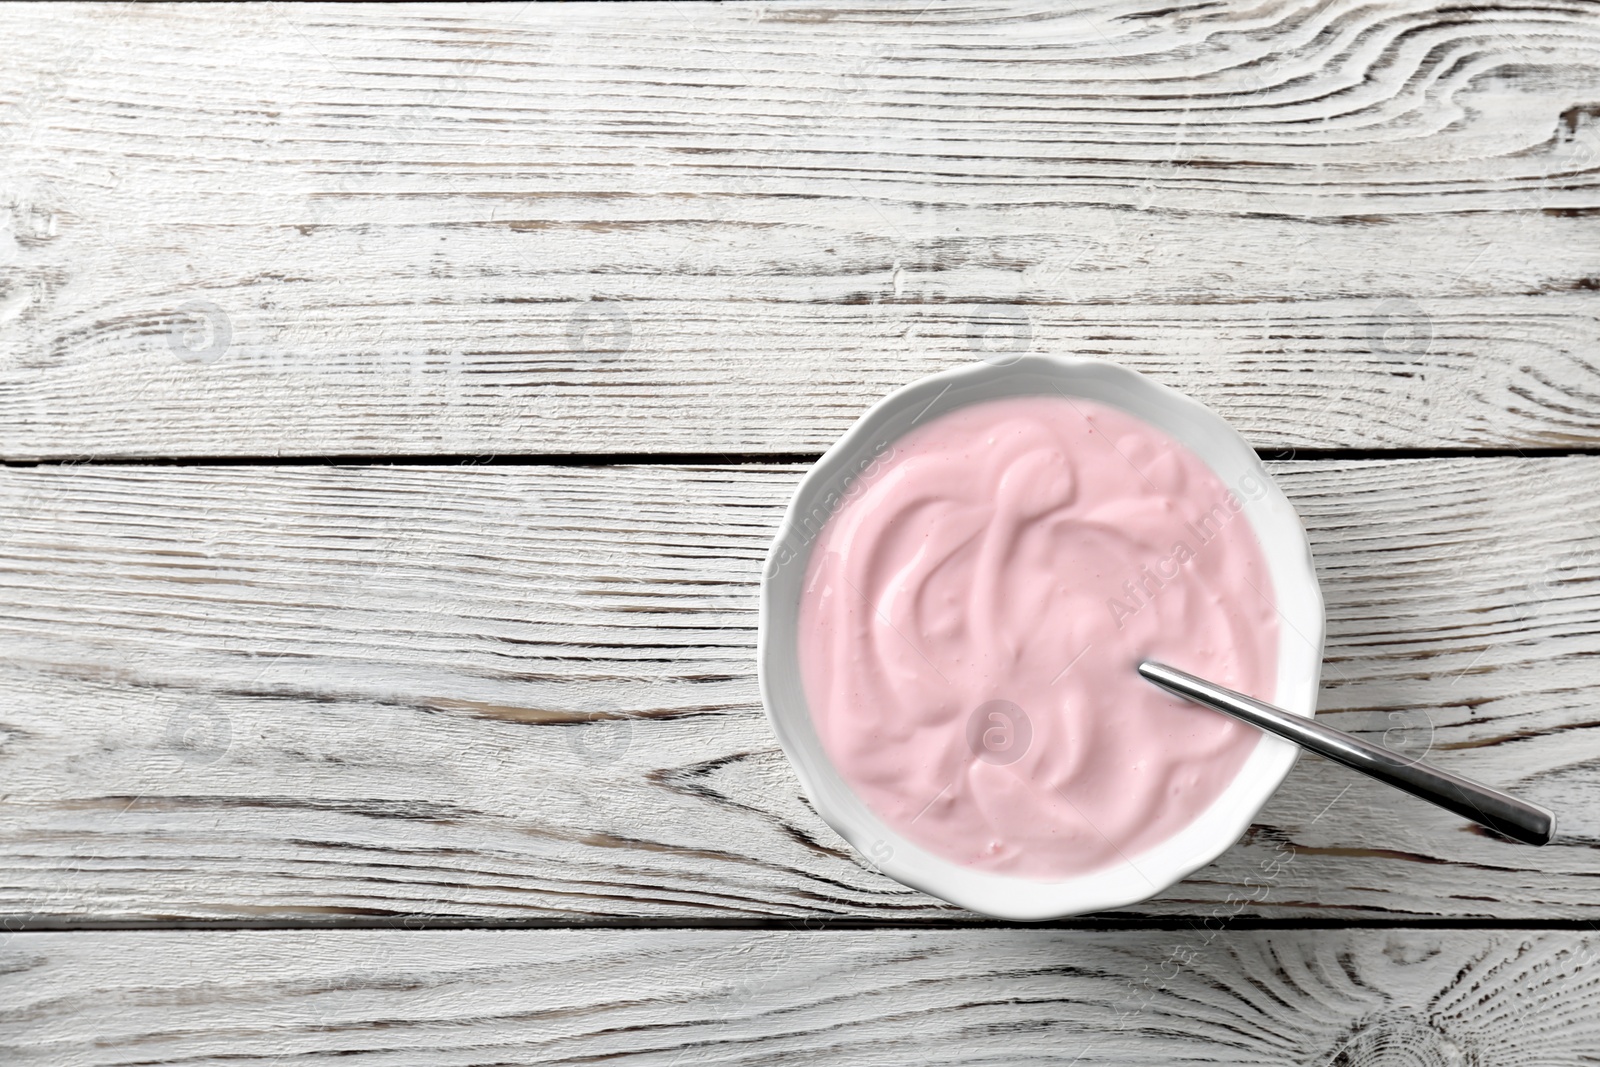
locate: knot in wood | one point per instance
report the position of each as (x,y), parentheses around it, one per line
(1400,1040)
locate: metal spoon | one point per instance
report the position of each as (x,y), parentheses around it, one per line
(1498,811)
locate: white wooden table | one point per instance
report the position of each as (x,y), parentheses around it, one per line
(397,404)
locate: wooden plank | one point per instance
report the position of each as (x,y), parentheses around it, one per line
(514,693)
(1351,998)
(689,228)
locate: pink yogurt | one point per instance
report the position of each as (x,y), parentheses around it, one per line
(973,614)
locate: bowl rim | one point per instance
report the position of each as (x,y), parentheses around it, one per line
(1211,832)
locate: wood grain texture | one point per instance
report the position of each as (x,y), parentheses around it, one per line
(1347,998)
(275,229)
(510,693)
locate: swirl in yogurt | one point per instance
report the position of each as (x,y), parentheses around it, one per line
(971,621)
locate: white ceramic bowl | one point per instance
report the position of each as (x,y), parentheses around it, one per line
(1294,579)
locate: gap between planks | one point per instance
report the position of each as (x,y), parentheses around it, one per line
(696,459)
(1082,924)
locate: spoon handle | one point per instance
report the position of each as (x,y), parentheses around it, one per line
(1498,811)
